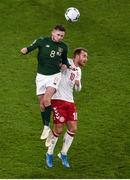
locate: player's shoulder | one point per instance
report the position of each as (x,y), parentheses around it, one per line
(72,64)
(79,70)
(46,38)
(64,45)
(39,39)
(43,40)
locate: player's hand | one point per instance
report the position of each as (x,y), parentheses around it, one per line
(63,67)
(24,50)
(77,82)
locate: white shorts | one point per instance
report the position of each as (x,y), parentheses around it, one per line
(44,81)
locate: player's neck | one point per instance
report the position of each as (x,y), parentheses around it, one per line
(54,40)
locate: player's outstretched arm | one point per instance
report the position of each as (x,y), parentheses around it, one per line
(36,43)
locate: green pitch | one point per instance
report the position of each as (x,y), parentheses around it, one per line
(101,148)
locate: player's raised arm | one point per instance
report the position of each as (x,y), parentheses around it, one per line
(34,45)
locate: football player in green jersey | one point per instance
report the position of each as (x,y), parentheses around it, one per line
(52,52)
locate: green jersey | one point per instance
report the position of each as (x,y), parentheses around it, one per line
(50,55)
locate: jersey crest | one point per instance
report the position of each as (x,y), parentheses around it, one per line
(60,49)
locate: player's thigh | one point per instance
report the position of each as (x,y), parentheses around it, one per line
(54,80)
(72,126)
(48,95)
(71,112)
(40,97)
(51,87)
(72,117)
(58,128)
(41,81)
(59,111)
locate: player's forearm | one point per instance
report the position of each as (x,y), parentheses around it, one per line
(26,50)
(66,62)
(31,48)
(65,59)
(78,85)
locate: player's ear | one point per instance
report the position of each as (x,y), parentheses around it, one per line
(77,56)
(52,32)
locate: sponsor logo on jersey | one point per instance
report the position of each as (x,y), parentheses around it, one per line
(56,113)
(58,53)
(47,46)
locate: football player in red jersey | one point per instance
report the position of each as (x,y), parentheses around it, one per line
(64,108)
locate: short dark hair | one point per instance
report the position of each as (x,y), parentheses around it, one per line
(59,27)
(77,51)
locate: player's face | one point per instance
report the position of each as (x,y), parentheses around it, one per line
(83,58)
(57,35)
